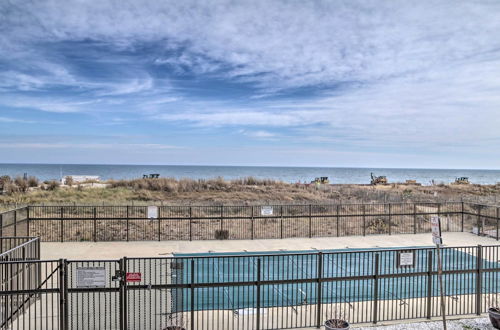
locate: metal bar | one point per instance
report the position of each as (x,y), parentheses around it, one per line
(15,223)
(375,289)
(479,221)
(192,295)
(65,293)
(281,221)
(271,217)
(310,220)
(338,227)
(479,282)
(190,223)
(159,224)
(95,224)
(414,218)
(62,224)
(257,284)
(252,222)
(221,217)
(27,220)
(390,220)
(62,302)
(319,289)
(429,285)
(463,213)
(128,215)
(123,296)
(498,220)
(364,220)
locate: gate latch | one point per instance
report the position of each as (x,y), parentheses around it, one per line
(119,275)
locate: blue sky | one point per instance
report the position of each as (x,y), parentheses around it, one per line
(295,83)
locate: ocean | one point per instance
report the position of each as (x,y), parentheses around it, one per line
(287,174)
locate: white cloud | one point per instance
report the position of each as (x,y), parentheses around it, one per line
(393,73)
(48,145)
(15,120)
(258,134)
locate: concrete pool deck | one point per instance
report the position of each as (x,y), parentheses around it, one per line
(116,250)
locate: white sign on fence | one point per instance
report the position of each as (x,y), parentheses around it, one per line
(406,259)
(153,212)
(91,277)
(436,230)
(266,210)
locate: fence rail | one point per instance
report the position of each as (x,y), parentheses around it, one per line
(256,291)
(21,275)
(132,223)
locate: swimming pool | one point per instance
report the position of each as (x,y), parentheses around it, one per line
(352,275)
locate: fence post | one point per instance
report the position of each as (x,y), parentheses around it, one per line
(415,218)
(257,284)
(27,220)
(463,214)
(159,223)
(498,218)
(338,215)
(364,220)
(310,220)
(1,224)
(221,218)
(375,289)
(128,215)
(439,215)
(123,294)
(479,276)
(281,221)
(95,224)
(390,220)
(192,294)
(479,220)
(62,224)
(252,223)
(319,291)
(429,285)
(63,295)
(15,223)
(190,223)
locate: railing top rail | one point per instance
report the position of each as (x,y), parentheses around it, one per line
(296,253)
(20,246)
(256,205)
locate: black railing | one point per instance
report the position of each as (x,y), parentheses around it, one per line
(131,223)
(106,223)
(257,291)
(18,273)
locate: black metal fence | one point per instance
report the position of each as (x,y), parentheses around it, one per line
(18,274)
(14,223)
(132,223)
(251,291)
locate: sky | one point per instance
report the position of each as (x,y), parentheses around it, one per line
(373,83)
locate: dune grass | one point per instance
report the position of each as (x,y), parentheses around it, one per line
(239,191)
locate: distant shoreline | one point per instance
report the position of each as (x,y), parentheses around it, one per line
(336,175)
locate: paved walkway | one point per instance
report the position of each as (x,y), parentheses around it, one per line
(472,324)
(116,250)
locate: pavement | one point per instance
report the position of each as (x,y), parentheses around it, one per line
(116,250)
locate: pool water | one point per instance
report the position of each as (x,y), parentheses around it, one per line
(354,268)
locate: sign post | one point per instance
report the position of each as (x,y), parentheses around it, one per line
(437,239)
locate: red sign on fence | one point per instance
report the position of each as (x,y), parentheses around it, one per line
(134,277)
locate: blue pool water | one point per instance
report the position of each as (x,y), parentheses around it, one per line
(292,265)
